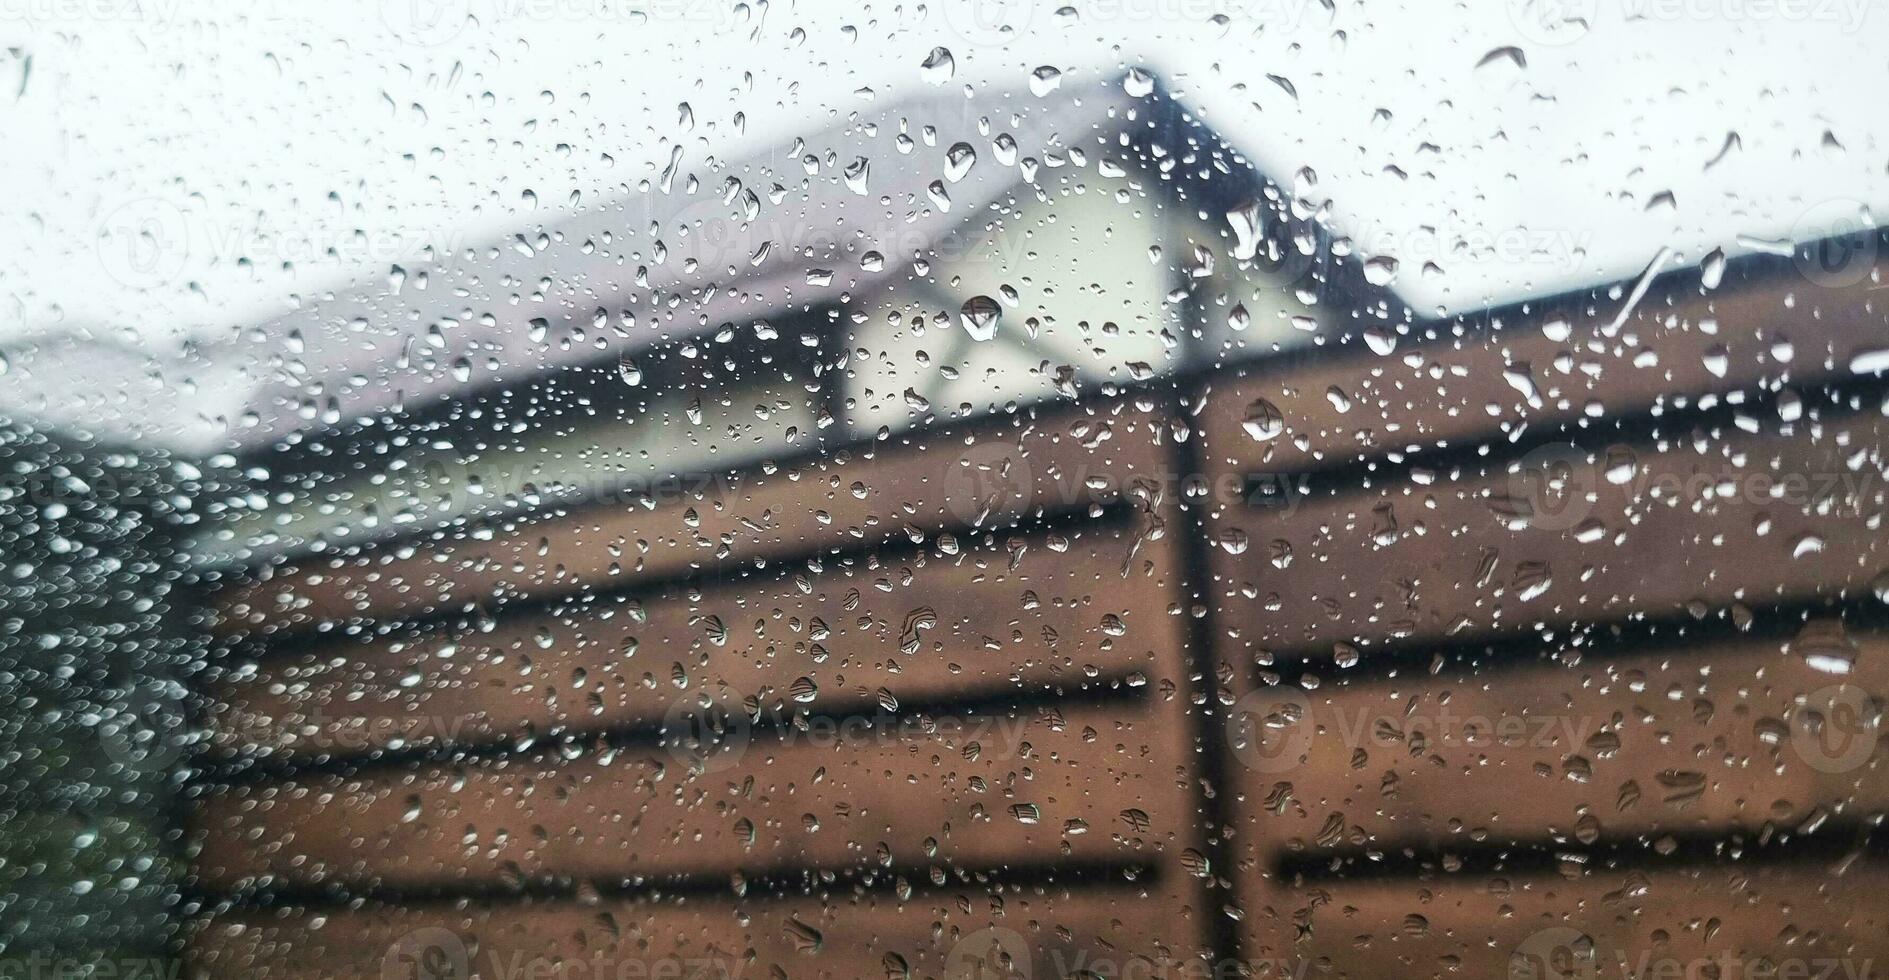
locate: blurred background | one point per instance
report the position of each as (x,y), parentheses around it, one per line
(989,488)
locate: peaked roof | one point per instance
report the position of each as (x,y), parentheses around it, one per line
(789,227)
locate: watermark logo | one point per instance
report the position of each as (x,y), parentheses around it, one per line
(316,730)
(987,478)
(1567,953)
(1844,16)
(1556,953)
(710,735)
(1553,22)
(44,965)
(432,953)
(1533,250)
(1552,488)
(425,23)
(711,237)
(995,953)
(1836,243)
(988,22)
(1837,728)
(151,15)
(706,737)
(1557,487)
(150,242)
(432,23)
(145,730)
(435,953)
(144,243)
(996,22)
(1275,492)
(720,241)
(1270,730)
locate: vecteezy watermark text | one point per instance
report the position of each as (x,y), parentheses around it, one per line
(1273,729)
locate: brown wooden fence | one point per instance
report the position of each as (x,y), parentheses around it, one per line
(1515,649)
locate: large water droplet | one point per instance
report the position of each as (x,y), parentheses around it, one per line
(1245,221)
(1263,420)
(1712,269)
(979,316)
(1824,645)
(1045,80)
(938,66)
(958,161)
(857,173)
(1238,319)
(1870,361)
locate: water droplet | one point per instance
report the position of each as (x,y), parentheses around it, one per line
(1380,271)
(1824,645)
(938,66)
(1521,376)
(1870,361)
(979,316)
(803,937)
(1712,269)
(1238,319)
(1504,57)
(958,161)
(1045,80)
(857,173)
(1716,360)
(911,631)
(1004,148)
(1244,219)
(1263,420)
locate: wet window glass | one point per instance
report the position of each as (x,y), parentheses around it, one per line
(661,489)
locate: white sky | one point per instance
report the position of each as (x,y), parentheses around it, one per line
(278,131)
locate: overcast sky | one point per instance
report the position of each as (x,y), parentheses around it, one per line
(1512,148)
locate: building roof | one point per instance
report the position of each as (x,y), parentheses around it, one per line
(791,227)
(1494,160)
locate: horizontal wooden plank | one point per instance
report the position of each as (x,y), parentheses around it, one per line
(1727,922)
(1120,931)
(1013,466)
(1551,365)
(1058,783)
(1696,737)
(1699,521)
(1016,613)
